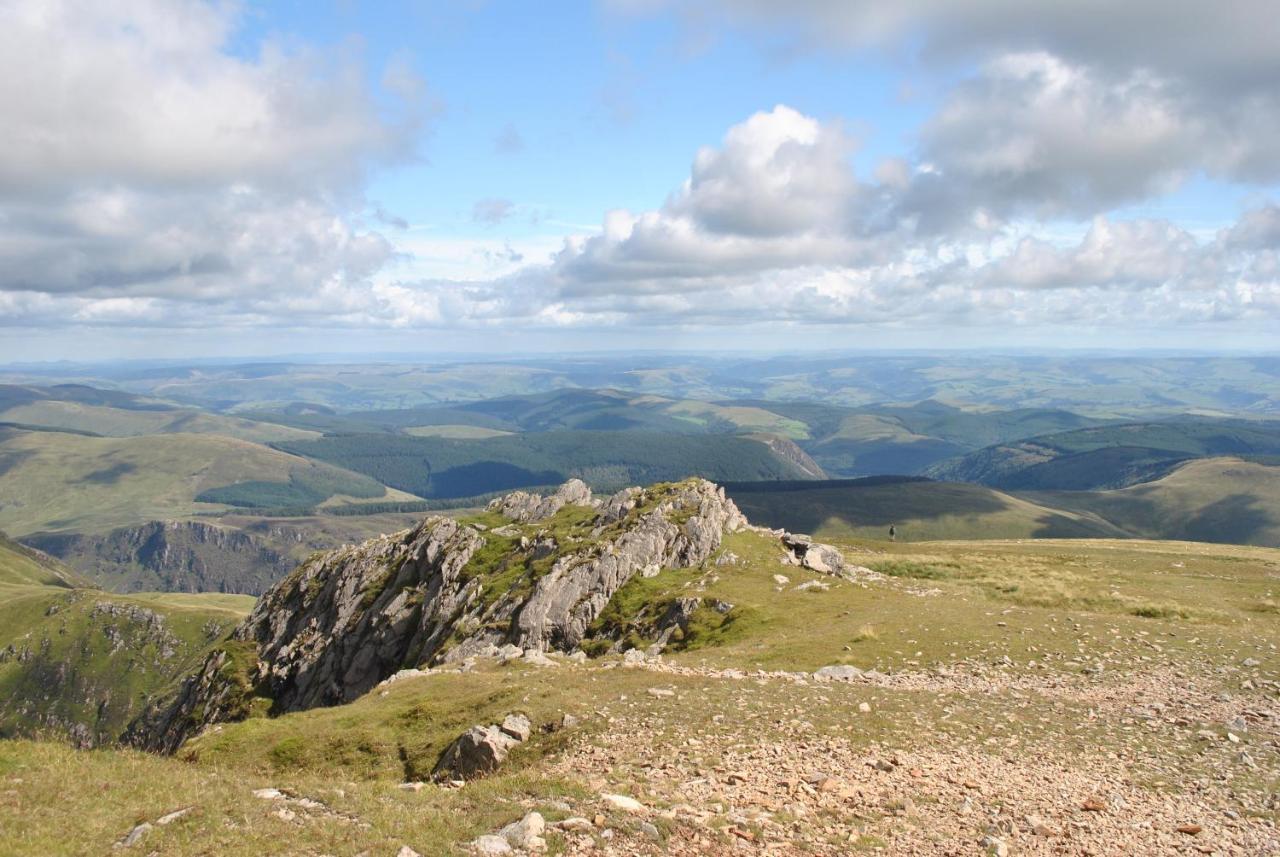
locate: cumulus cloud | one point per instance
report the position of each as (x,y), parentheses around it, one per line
(775,224)
(144,165)
(1064,108)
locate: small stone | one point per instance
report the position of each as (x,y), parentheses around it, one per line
(1038,826)
(406,851)
(838,672)
(864,707)
(171,817)
(526,833)
(995,845)
(136,835)
(624,803)
(575,824)
(650,831)
(268,794)
(490,844)
(633,656)
(661,692)
(781,579)
(1189,829)
(410,787)
(1094,804)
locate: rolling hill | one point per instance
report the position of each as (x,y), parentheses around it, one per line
(918,509)
(58,481)
(1226,500)
(78,408)
(898,439)
(435,467)
(1109,456)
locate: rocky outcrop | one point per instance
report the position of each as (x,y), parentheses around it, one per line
(170,556)
(524,507)
(348,619)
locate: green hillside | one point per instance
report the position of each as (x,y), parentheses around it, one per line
(23,567)
(1110,456)
(79,664)
(439,467)
(114,414)
(1226,500)
(918,509)
(57,481)
(891,439)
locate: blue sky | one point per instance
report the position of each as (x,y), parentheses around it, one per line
(286,176)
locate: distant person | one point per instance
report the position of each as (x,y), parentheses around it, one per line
(893,534)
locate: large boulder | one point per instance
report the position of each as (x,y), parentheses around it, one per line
(477,752)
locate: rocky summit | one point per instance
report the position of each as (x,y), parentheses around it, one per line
(535,575)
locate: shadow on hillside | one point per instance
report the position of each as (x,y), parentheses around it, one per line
(1235,519)
(876,502)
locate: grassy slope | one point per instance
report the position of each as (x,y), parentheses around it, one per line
(1056,602)
(65,661)
(1210,500)
(22,566)
(918,511)
(54,481)
(121,422)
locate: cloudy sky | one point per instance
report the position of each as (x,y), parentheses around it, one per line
(188,178)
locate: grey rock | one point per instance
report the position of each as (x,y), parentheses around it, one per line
(526,834)
(490,845)
(517,726)
(838,672)
(524,507)
(133,837)
(478,751)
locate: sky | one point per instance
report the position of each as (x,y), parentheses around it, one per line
(181,178)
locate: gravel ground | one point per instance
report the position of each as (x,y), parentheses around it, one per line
(1170,757)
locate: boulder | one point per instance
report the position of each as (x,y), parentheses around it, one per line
(526,834)
(478,751)
(490,845)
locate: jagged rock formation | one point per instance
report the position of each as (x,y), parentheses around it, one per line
(347,619)
(170,556)
(525,507)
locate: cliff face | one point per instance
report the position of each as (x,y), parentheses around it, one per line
(170,556)
(536,575)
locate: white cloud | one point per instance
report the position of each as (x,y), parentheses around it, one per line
(140,159)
